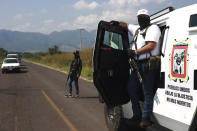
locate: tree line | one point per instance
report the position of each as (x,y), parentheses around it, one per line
(54,50)
(3,53)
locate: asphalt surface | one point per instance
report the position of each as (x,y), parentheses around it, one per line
(33,100)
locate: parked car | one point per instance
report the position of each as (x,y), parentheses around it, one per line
(14,56)
(10,64)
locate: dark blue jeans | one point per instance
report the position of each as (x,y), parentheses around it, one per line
(71,79)
(147,89)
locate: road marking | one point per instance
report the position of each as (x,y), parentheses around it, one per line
(71,126)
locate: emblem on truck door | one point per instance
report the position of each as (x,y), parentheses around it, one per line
(179,61)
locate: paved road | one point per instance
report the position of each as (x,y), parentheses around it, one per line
(33,100)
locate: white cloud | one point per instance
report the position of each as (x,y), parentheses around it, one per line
(28,14)
(126,3)
(91,21)
(81,4)
(126,9)
(18,16)
(93,5)
(21,16)
(120,3)
(65,26)
(44,11)
(23,27)
(120,15)
(48,22)
(88,22)
(121,10)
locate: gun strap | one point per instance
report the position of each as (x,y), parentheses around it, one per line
(135,38)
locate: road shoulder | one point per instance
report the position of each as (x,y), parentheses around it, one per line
(52,68)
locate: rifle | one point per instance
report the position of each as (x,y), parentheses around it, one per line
(134,67)
(67,84)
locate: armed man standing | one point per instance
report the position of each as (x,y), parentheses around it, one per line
(145,45)
(74,74)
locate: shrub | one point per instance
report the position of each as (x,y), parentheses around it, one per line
(63,60)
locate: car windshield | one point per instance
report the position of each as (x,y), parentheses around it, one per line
(10,61)
(12,56)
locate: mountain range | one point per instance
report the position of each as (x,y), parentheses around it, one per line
(67,40)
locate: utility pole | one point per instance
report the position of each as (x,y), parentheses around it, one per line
(81,38)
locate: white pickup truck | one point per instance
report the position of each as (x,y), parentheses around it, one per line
(175,101)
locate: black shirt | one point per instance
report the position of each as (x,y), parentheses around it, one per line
(75,67)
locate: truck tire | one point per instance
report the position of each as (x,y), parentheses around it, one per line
(113,117)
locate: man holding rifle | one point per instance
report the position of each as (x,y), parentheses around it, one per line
(74,74)
(145,45)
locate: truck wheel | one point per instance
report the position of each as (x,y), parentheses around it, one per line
(2,71)
(113,117)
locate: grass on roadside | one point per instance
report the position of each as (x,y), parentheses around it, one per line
(1,61)
(62,61)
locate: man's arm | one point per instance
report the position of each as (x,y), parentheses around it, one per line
(147,48)
(124,25)
(71,67)
(79,69)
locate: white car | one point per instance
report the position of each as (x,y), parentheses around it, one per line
(10,64)
(14,56)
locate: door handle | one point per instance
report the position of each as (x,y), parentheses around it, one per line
(110,73)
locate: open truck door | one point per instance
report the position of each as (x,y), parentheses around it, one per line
(111,70)
(111,67)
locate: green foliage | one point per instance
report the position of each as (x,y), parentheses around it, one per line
(87,72)
(62,61)
(86,56)
(1,61)
(3,53)
(27,55)
(54,50)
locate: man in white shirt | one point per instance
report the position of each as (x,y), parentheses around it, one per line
(146,45)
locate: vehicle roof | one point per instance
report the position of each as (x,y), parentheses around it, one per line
(12,54)
(10,59)
(189,9)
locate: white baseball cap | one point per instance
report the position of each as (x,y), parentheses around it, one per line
(142,12)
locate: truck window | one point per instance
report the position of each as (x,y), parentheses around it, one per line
(162,29)
(193,20)
(113,40)
(162,40)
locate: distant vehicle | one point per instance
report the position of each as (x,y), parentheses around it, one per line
(14,56)
(10,64)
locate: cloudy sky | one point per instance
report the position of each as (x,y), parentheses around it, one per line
(46,16)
